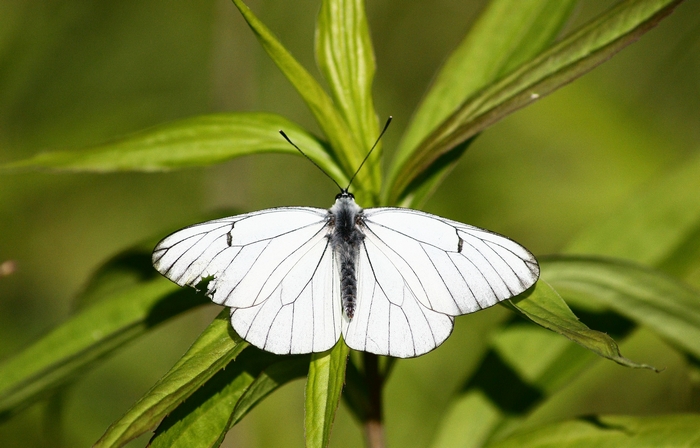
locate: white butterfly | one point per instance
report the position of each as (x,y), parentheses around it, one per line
(389,280)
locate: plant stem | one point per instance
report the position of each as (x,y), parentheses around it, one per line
(374,425)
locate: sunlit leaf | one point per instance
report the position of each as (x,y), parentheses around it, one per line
(648,297)
(323,390)
(508,33)
(610,431)
(345,56)
(198,141)
(572,57)
(88,336)
(213,349)
(544,306)
(205,417)
(524,367)
(345,146)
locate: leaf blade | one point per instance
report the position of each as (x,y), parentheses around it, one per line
(572,57)
(545,307)
(345,57)
(204,419)
(525,365)
(646,296)
(323,391)
(91,334)
(198,141)
(344,145)
(617,431)
(506,34)
(213,349)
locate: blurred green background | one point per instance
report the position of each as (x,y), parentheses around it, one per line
(75,73)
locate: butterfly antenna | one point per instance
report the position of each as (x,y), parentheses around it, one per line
(388,121)
(310,159)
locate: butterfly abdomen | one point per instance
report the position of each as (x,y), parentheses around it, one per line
(348,288)
(346,239)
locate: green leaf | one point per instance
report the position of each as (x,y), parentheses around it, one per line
(88,336)
(346,148)
(572,57)
(507,33)
(278,374)
(214,348)
(610,431)
(646,296)
(656,227)
(525,365)
(323,391)
(198,141)
(544,306)
(534,364)
(204,419)
(345,57)
(125,270)
(468,422)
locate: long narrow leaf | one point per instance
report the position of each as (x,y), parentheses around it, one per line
(648,297)
(213,349)
(345,56)
(198,141)
(270,379)
(323,390)
(561,64)
(507,33)
(611,431)
(544,306)
(90,335)
(524,367)
(345,146)
(204,419)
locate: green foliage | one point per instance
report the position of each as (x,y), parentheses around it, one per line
(198,141)
(323,390)
(639,259)
(611,431)
(544,306)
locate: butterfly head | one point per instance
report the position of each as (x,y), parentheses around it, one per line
(344,195)
(345,204)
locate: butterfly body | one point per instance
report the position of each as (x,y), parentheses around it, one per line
(346,238)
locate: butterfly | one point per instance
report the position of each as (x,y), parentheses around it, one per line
(389,280)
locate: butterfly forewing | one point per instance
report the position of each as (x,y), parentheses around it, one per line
(452,268)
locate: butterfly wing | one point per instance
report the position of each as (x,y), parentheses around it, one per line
(273,268)
(450,267)
(389,320)
(417,270)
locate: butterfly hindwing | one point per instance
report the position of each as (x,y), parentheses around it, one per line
(274,268)
(389,320)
